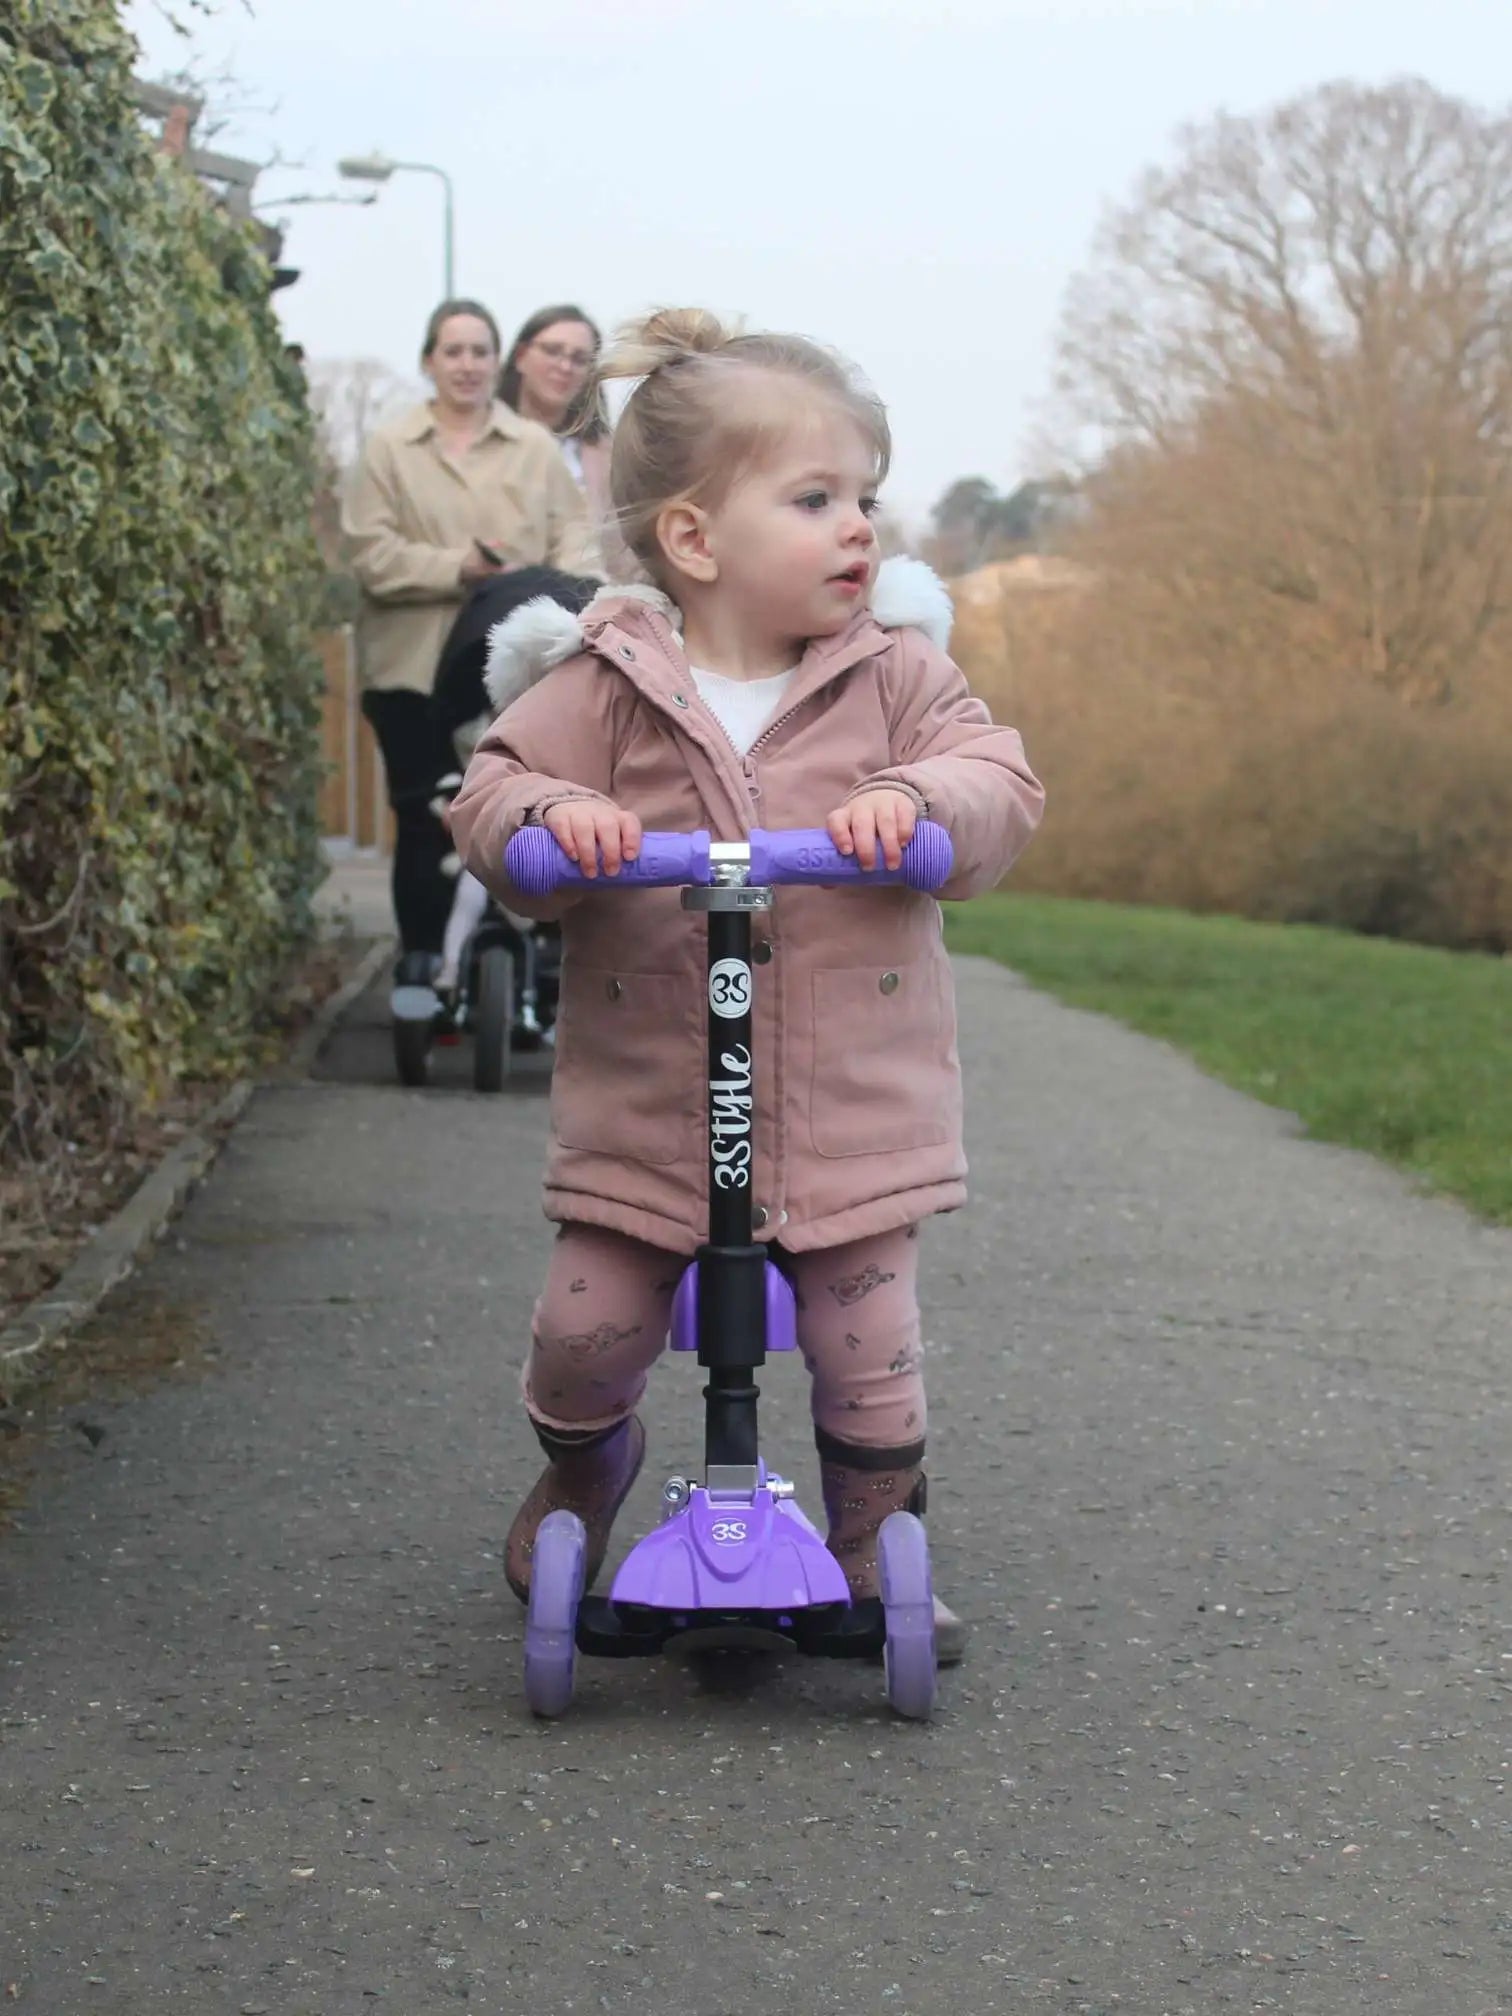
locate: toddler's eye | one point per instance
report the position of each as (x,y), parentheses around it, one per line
(813,500)
(870,506)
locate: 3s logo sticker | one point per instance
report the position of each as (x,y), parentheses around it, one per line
(730,988)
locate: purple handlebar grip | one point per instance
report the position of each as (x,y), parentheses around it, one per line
(536,865)
(807,854)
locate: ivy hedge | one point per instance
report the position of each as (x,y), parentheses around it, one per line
(159,593)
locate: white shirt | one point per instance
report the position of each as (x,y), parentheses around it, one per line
(742,707)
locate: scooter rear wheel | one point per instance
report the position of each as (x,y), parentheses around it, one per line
(557,1564)
(908,1607)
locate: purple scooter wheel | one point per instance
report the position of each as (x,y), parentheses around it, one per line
(557,1563)
(908,1656)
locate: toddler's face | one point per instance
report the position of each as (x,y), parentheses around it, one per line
(793,537)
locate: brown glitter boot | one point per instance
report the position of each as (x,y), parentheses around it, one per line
(858,1496)
(587,1474)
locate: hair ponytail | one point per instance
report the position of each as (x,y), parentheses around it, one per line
(711,399)
(668,336)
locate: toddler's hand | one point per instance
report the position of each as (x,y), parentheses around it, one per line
(882,815)
(588,827)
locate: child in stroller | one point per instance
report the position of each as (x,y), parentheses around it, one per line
(498,975)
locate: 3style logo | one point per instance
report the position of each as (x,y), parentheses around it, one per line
(730,988)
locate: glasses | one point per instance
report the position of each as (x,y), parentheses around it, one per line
(560,354)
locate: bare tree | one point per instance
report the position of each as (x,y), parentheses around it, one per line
(174,14)
(350,397)
(1294,349)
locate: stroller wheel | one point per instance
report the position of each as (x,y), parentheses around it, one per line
(557,1566)
(412,1046)
(493,1018)
(414,1003)
(908,1606)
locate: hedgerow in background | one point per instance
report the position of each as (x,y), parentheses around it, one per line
(159,589)
(1276,682)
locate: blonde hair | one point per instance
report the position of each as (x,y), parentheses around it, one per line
(690,428)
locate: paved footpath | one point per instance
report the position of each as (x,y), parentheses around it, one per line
(1221,1426)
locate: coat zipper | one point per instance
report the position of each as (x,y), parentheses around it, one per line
(747,768)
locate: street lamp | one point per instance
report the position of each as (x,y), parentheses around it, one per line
(376,167)
(284,202)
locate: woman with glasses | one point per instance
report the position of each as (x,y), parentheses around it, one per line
(546,379)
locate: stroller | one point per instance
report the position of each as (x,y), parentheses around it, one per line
(498,977)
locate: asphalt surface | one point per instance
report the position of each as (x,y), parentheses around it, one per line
(1220,1476)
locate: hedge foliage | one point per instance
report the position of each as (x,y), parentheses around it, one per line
(159,585)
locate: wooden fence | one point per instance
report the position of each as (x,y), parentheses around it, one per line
(354,810)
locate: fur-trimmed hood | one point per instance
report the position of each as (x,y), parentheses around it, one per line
(907,595)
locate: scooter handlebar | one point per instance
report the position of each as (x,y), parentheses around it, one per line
(807,854)
(535,862)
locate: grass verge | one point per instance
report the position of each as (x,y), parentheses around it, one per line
(1396,1049)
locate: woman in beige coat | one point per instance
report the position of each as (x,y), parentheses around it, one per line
(455,491)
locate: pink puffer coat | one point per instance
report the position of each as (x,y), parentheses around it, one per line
(857,1081)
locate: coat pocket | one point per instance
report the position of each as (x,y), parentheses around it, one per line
(885,1072)
(629,1064)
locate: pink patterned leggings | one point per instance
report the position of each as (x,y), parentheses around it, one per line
(601,1323)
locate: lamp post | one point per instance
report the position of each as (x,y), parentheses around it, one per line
(376,167)
(286,202)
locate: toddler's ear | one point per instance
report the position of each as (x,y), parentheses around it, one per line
(682,532)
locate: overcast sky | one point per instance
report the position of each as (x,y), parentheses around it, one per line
(913,181)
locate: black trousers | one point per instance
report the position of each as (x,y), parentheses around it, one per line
(415,757)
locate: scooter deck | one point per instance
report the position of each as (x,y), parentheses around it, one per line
(609,1630)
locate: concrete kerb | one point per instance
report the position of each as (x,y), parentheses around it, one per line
(116,1249)
(301,1058)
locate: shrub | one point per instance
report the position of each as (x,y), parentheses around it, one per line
(159,590)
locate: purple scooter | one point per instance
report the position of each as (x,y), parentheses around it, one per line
(734,1563)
